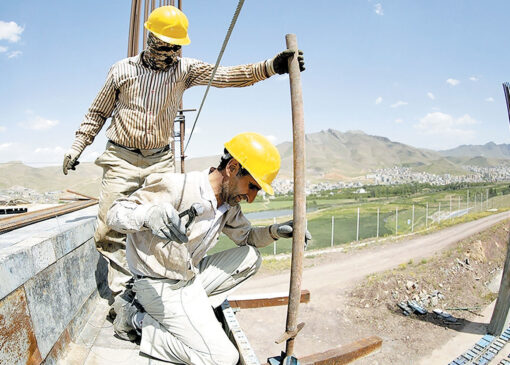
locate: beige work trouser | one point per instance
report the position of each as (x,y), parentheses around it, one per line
(180,325)
(124,171)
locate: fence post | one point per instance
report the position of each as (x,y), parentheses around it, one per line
(396,221)
(475,201)
(332,229)
(487,199)
(458,198)
(377,237)
(450,207)
(427,216)
(357,227)
(412,221)
(439,214)
(274,243)
(467,201)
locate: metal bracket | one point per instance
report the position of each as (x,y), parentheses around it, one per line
(292,334)
(283,360)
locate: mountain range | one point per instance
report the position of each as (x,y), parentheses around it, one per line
(330,155)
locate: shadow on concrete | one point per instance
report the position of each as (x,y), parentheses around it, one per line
(101,275)
(462,325)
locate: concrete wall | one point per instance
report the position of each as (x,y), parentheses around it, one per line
(50,273)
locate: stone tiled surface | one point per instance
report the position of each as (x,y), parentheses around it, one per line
(27,251)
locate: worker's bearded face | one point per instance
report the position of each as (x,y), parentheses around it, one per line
(230,193)
(159,55)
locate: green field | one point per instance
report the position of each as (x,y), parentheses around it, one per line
(344,210)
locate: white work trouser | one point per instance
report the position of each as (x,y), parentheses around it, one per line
(180,325)
(124,172)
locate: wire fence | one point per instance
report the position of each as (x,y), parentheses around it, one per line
(340,225)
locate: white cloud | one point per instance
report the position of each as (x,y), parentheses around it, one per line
(378,100)
(399,103)
(272,139)
(378,9)
(431,96)
(490,99)
(13,54)
(10,31)
(398,120)
(3,49)
(453,82)
(4,146)
(442,124)
(49,150)
(38,123)
(474,78)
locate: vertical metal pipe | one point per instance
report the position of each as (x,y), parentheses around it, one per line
(377,235)
(427,216)
(182,132)
(298,239)
(132,21)
(412,221)
(182,123)
(396,221)
(145,16)
(274,243)
(136,35)
(180,4)
(357,227)
(332,229)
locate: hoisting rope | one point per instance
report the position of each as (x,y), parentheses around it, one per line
(225,42)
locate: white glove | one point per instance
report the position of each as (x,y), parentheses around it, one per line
(70,160)
(164,222)
(286,230)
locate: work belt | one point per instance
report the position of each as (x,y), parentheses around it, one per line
(145,153)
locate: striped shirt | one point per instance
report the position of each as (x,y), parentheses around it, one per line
(143,103)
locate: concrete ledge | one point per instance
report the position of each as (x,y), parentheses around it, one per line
(50,274)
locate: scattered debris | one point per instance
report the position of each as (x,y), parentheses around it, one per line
(405,308)
(415,307)
(445,316)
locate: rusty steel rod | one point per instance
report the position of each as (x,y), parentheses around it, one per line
(298,236)
(132,21)
(25,219)
(145,16)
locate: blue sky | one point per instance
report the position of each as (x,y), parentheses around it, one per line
(424,73)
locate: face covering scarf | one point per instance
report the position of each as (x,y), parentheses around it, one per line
(159,55)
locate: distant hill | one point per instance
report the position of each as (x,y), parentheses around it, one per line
(333,155)
(488,150)
(330,155)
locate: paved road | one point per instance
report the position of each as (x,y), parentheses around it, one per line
(328,283)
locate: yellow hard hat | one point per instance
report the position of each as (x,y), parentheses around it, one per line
(257,155)
(169,24)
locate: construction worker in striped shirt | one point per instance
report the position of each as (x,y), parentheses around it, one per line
(142,95)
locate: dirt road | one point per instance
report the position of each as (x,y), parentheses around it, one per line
(326,322)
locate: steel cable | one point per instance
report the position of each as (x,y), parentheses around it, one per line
(225,42)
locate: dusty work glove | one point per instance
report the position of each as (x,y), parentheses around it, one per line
(70,160)
(281,64)
(286,230)
(164,222)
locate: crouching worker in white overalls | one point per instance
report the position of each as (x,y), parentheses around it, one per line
(176,284)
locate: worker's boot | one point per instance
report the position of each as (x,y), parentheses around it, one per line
(126,307)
